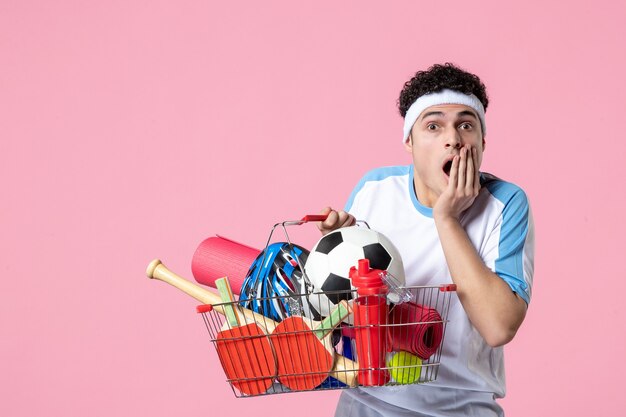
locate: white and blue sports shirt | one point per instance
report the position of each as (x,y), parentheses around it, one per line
(499,224)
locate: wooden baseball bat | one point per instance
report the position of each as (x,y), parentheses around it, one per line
(345,370)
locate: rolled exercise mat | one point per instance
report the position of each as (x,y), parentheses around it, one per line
(217,257)
(417,329)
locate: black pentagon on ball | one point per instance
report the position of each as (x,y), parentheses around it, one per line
(329,242)
(378,256)
(336,283)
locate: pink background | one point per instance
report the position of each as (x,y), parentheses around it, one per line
(135,129)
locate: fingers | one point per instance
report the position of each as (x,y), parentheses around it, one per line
(463,184)
(462,169)
(472,175)
(476,171)
(331,221)
(335,220)
(454,173)
(345,219)
(326,225)
(468,173)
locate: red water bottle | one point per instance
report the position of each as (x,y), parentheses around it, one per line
(370,319)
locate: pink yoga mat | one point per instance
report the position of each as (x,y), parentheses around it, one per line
(217,257)
(419,329)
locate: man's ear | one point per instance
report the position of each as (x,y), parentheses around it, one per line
(408,144)
(484,143)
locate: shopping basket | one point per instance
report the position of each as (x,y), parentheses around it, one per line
(358,344)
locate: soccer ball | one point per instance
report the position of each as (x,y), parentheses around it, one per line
(328,264)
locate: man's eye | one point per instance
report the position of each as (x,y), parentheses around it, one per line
(465,126)
(431,126)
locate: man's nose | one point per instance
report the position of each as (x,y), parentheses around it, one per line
(453,139)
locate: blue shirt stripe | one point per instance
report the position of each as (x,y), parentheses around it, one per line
(513,231)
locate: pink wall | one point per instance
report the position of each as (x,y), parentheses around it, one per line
(134,129)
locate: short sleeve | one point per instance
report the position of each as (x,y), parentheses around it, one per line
(512,242)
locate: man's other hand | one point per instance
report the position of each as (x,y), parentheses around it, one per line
(335,220)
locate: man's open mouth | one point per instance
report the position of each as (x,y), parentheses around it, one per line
(447,167)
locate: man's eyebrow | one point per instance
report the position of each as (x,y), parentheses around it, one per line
(440,114)
(431,113)
(467,113)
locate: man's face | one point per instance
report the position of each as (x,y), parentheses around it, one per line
(436,137)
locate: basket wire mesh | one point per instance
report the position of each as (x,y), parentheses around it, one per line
(402,348)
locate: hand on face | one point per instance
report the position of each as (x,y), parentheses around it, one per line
(463,185)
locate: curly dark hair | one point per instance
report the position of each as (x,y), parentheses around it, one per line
(437,78)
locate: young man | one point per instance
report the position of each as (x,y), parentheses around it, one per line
(449,222)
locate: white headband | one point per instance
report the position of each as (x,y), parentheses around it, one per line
(441,97)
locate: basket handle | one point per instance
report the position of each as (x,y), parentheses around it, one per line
(447,288)
(204,308)
(314,218)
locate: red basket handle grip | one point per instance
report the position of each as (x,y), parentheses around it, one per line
(204,308)
(314,218)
